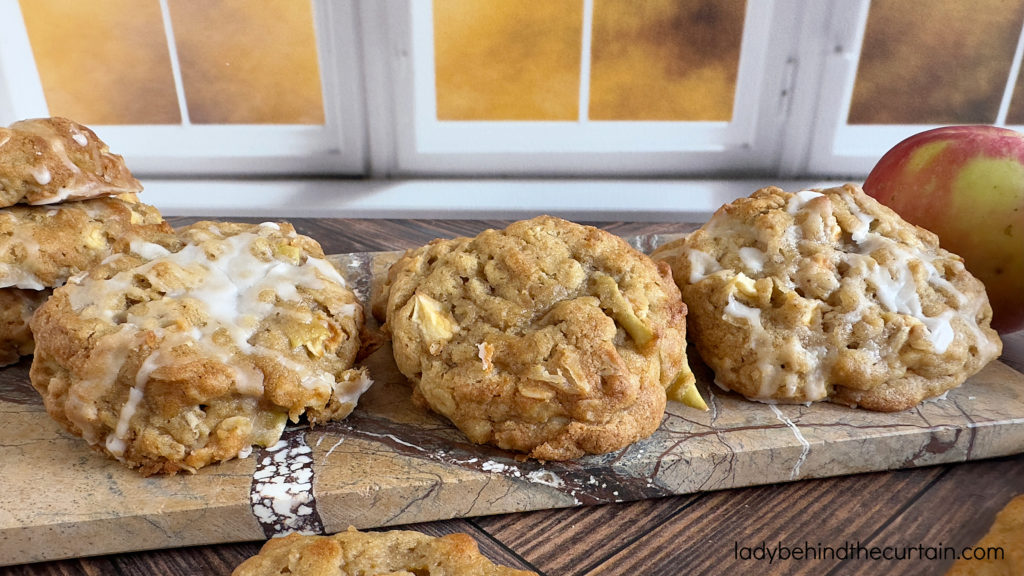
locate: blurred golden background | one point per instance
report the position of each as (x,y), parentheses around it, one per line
(241,61)
(936,62)
(255,61)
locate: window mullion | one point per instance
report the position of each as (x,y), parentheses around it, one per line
(1011,81)
(21,89)
(832,33)
(585,57)
(172,52)
(381,62)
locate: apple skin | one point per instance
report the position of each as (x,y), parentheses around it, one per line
(965,184)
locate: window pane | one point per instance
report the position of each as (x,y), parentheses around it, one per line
(103,61)
(1015,115)
(937,62)
(665,59)
(245,62)
(507,60)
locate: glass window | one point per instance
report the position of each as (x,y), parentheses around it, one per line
(671,60)
(665,59)
(190,87)
(579,87)
(508,60)
(940,62)
(103,61)
(245,62)
(108,62)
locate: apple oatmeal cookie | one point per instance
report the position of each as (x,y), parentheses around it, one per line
(390,553)
(169,360)
(829,295)
(41,246)
(549,337)
(50,160)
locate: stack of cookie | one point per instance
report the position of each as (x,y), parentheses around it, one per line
(170,359)
(167,350)
(66,203)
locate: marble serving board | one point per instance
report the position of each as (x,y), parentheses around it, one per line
(390,463)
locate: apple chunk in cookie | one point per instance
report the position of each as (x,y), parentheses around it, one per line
(548,338)
(172,360)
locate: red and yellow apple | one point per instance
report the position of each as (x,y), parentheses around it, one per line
(965,184)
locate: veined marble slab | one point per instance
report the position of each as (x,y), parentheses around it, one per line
(390,463)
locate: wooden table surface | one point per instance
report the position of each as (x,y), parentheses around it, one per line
(826,521)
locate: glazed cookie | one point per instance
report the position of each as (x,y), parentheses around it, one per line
(829,295)
(172,360)
(41,246)
(393,553)
(50,160)
(548,337)
(16,308)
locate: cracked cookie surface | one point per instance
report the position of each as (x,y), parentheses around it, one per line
(171,359)
(51,160)
(549,337)
(828,294)
(395,552)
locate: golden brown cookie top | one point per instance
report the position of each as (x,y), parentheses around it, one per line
(548,337)
(829,294)
(392,553)
(41,246)
(172,358)
(51,160)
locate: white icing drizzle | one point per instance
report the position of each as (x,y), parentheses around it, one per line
(116,441)
(42,174)
(235,289)
(895,287)
(702,264)
(148,250)
(800,199)
(801,368)
(861,233)
(752,258)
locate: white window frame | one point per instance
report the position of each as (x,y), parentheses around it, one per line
(831,146)
(426,146)
(796,73)
(336,147)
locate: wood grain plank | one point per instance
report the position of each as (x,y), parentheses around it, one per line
(223,558)
(956,511)
(573,541)
(1013,350)
(709,536)
(490,546)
